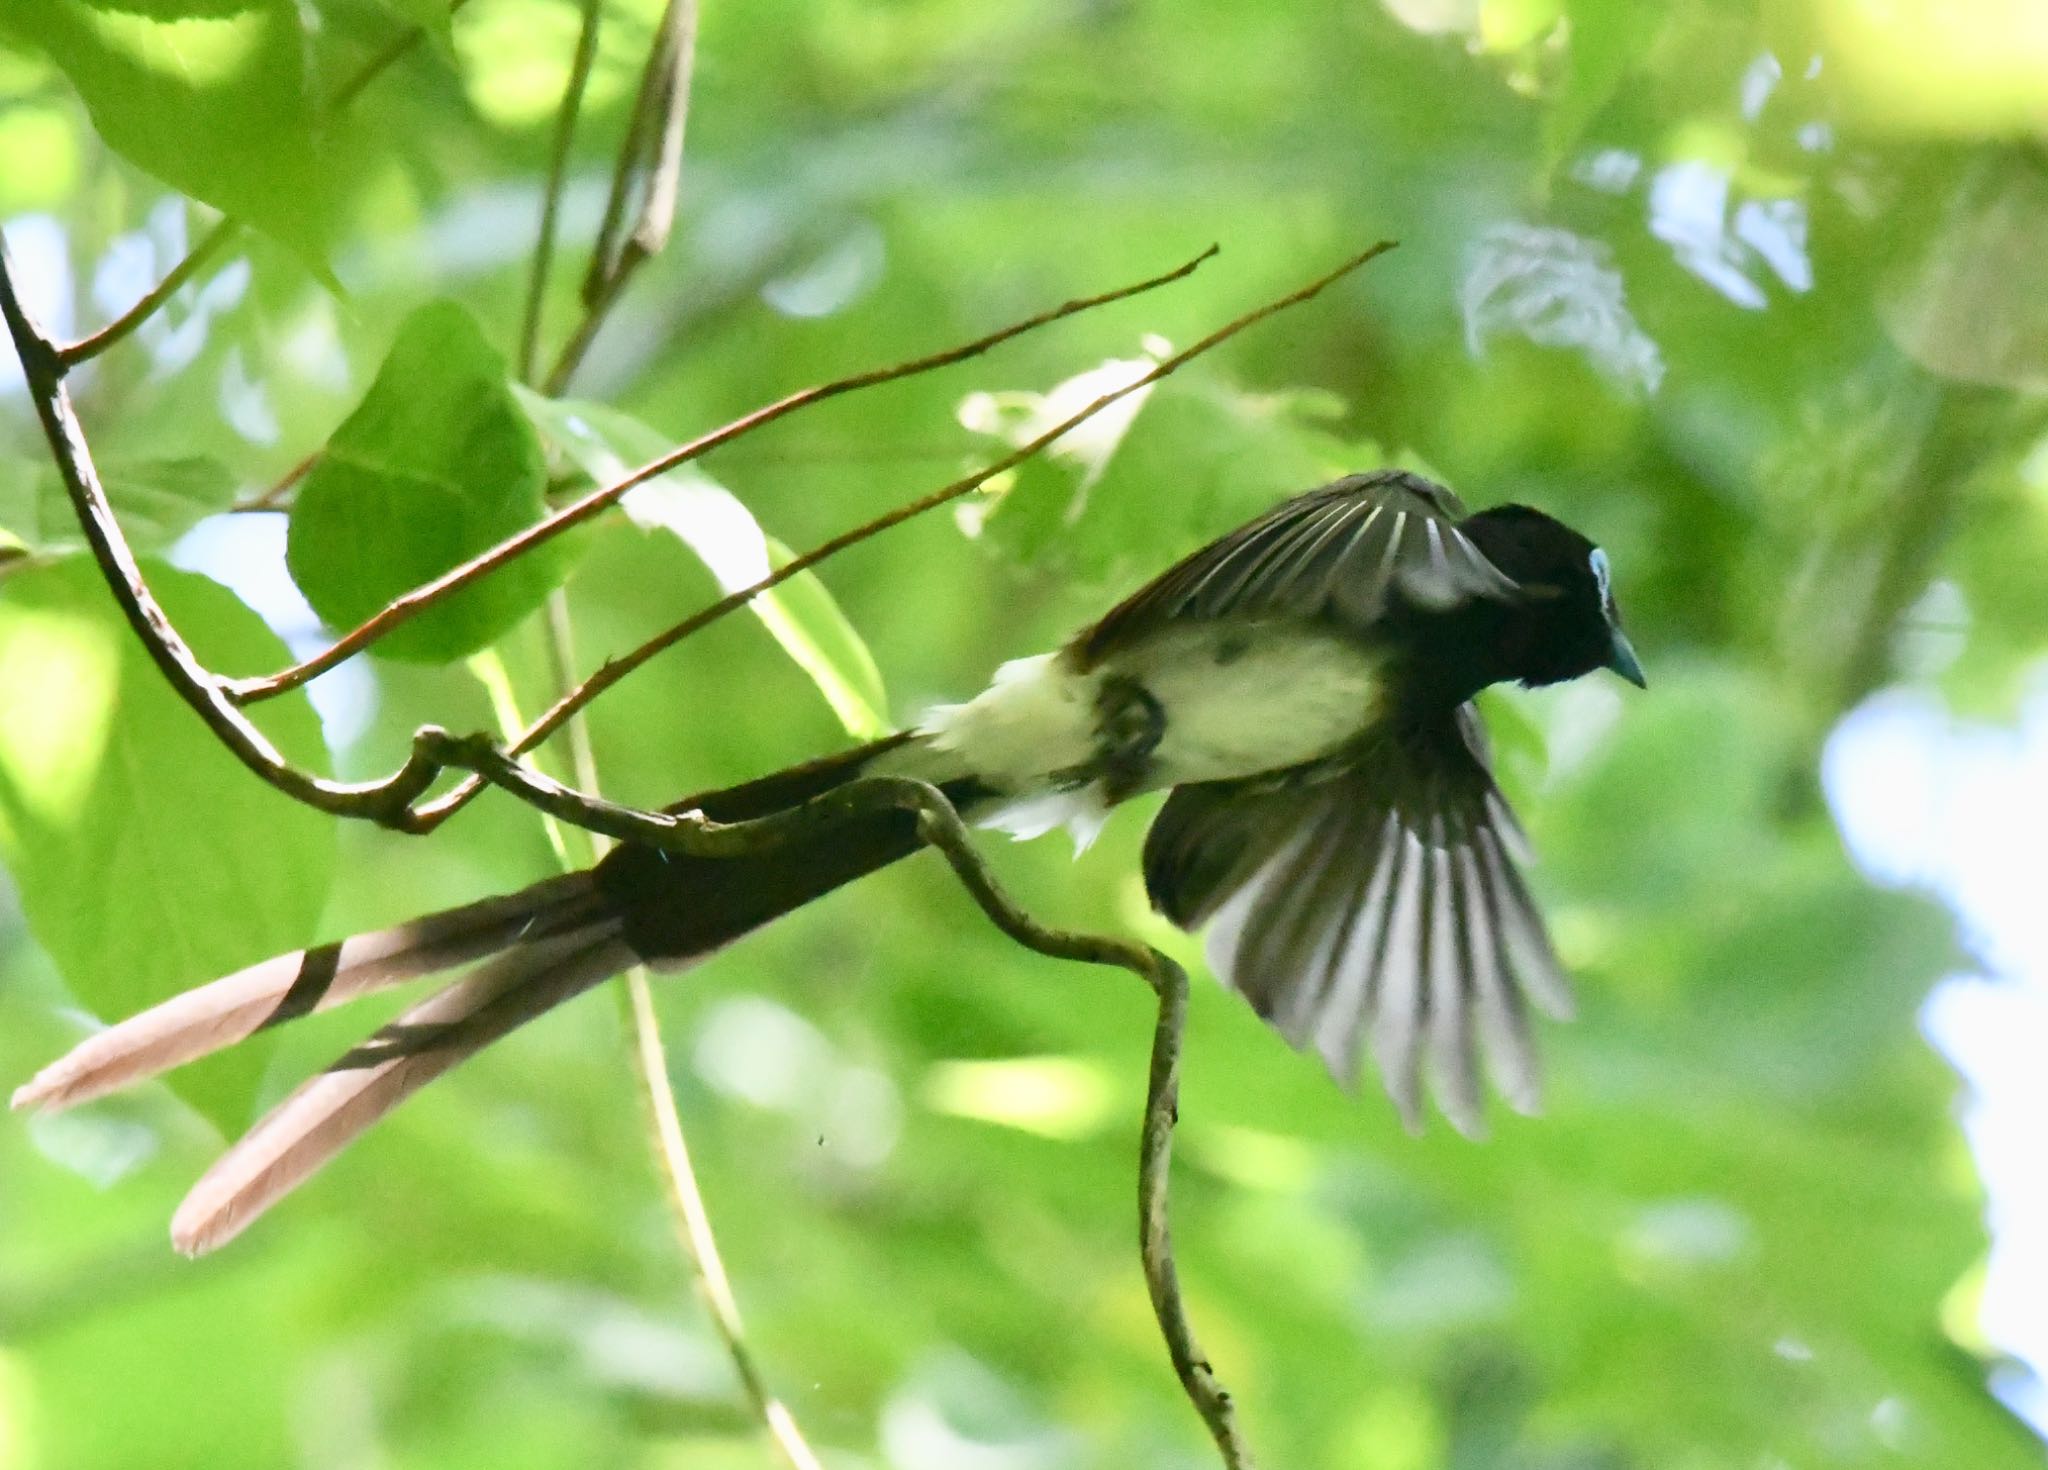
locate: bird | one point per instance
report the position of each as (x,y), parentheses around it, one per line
(1300,688)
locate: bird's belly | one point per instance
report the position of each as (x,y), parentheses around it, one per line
(1202,702)
(1236,700)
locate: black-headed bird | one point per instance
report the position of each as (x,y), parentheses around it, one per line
(1300,687)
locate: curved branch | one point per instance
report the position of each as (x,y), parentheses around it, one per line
(210,244)
(43,370)
(225,230)
(391,802)
(403,609)
(613,670)
(940,825)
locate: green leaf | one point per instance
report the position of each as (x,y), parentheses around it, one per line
(431,16)
(437,464)
(1196,458)
(155,500)
(208,95)
(148,858)
(707,518)
(1605,40)
(808,622)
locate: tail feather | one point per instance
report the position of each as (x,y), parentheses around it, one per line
(326,1113)
(544,944)
(203,1021)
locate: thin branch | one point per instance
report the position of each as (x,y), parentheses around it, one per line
(604,250)
(653,142)
(700,1245)
(940,825)
(224,231)
(403,609)
(273,498)
(663,190)
(210,244)
(551,198)
(392,52)
(595,311)
(692,1221)
(613,670)
(390,802)
(43,372)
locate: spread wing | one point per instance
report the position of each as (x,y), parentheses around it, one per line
(1374,899)
(1338,552)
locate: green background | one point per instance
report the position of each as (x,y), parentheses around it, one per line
(1752,293)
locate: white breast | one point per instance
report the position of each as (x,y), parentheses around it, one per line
(1242,699)
(1237,700)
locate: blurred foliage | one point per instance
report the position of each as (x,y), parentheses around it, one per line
(1753,294)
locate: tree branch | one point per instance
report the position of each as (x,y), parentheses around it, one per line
(551,198)
(43,372)
(225,230)
(693,1222)
(940,825)
(403,609)
(210,244)
(613,670)
(687,1211)
(391,802)
(653,142)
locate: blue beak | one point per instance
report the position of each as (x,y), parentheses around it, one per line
(1621,657)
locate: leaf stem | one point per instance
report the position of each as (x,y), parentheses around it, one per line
(551,197)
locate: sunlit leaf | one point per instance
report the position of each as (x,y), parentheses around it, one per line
(1193,459)
(148,858)
(435,465)
(208,95)
(723,534)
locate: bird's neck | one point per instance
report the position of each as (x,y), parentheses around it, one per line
(1449,656)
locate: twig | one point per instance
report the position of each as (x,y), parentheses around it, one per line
(551,197)
(595,311)
(225,230)
(402,609)
(390,802)
(656,220)
(613,670)
(661,111)
(940,825)
(394,50)
(692,1220)
(700,1246)
(210,245)
(273,497)
(43,372)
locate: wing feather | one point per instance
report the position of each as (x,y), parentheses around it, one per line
(1341,553)
(1374,904)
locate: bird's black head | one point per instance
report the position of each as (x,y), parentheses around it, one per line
(1568,624)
